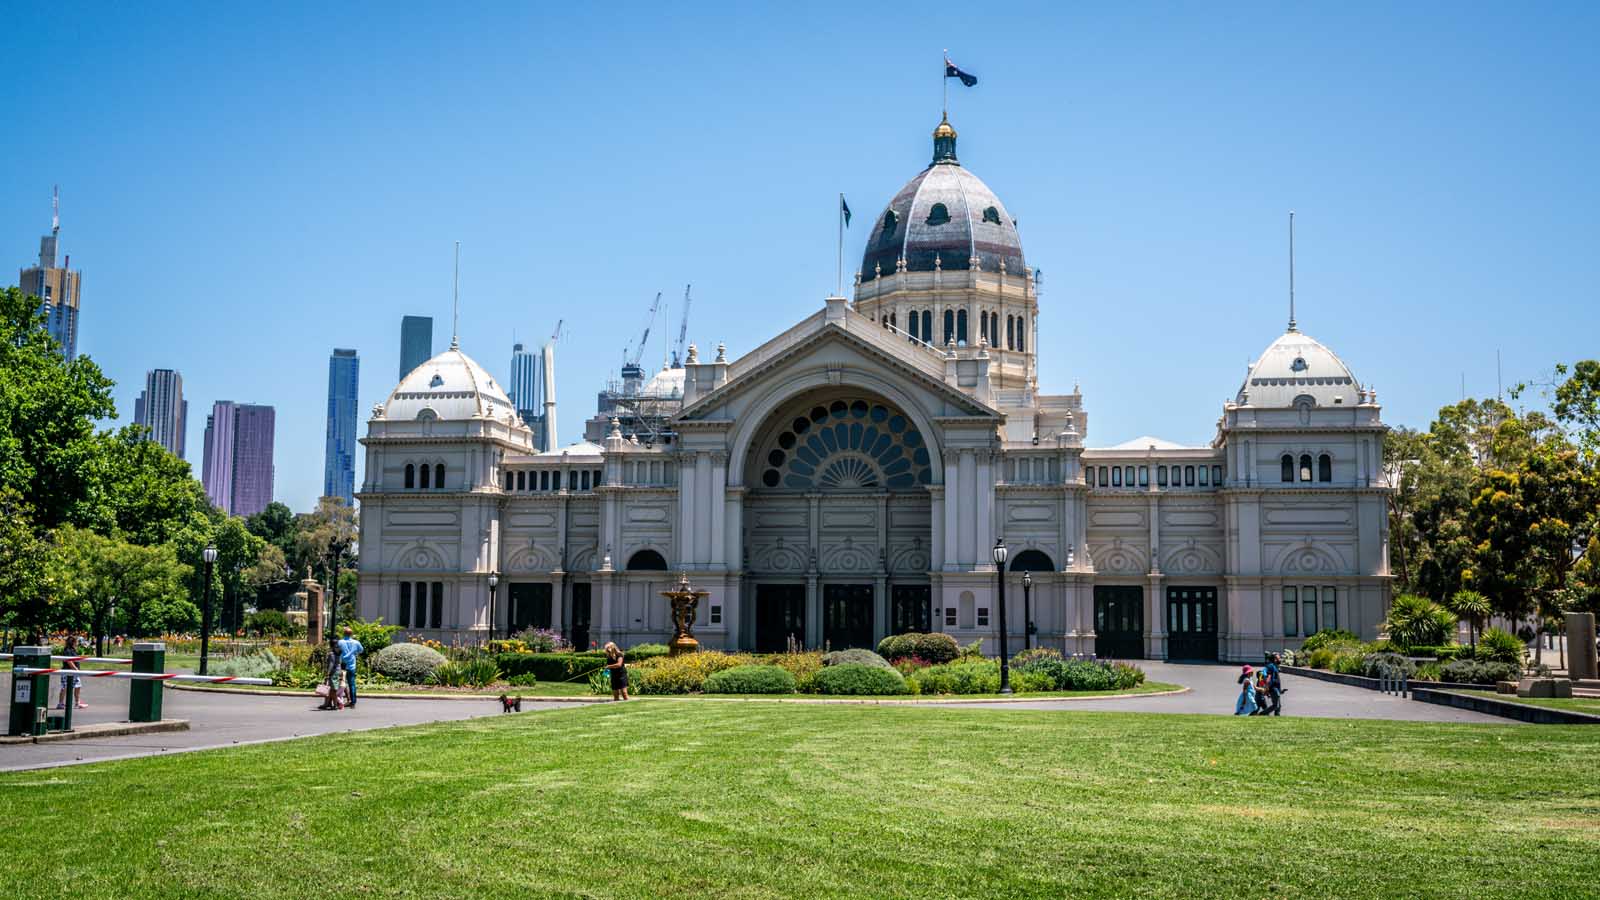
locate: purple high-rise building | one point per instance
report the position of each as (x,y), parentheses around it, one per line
(237,470)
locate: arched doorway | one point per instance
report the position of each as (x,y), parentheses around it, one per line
(837,520)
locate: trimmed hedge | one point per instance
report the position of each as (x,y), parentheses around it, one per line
(1467,671)
(935,648)
(751,680)
(855,679)
(864,657)
(556,667)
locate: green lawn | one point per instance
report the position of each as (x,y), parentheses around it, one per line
(687,799)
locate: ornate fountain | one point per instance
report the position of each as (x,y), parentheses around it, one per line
(684,599)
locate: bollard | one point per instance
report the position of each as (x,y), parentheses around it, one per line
(144,697)
(30,694)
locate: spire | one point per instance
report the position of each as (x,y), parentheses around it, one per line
(455,303)
(944,143)
(55,210)
(1291,272)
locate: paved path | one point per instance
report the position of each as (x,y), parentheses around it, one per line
(223,720)
(1213,689)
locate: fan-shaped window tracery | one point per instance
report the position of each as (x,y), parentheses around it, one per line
(847,444)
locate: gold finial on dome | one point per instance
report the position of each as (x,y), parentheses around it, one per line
(944,130)
(944,142)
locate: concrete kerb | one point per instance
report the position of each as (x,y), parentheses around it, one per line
(369,695)
(941,699)
(102,730)
(1508,709)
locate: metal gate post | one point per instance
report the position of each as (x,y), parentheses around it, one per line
(144,695)
(30,694)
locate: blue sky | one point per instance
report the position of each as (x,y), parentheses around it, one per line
(246,188)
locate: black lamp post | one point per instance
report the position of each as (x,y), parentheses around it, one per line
(210,556)
(1000,577)
(1027,610)
(494,620)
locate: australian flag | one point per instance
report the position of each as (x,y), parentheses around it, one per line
(951,71)
(844,210)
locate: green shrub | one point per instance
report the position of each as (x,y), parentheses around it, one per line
(1471,671)
(973,650)
(526,679)
(1321,658)
(855,679)
(1442,652)
(411,663)
(1387,665)
(260,664)
(862,657)
(685,673)
(1031,682)
(542,640)
(751,679)
(374,635)
(1327,636)
(1415,620)
(1429,671)
(803,666)
(967,676)
(1501,646)
(642,652)
(478,672)
(1128,675)
(1350,663)
(1022,659)
(935,648)
(551,667)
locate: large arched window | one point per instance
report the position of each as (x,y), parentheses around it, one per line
(983,328)
(647,560)
(938,215)
(1286,465)
(927,326)
(961,328)
(1011,332)
(1305,467)
(438,476)
(1022,334)
(1032,561)
(1324,468)
(845,444)
(424,484)
(411,475)
(949,327)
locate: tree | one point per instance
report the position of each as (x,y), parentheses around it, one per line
(237,551)
(150,495)
(28,600)
(330,527)
(49,450)
(1474,608)
(276,525)
(1577,403)
(100,573)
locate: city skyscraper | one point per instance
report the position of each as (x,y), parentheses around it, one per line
(161,408)
(529,390)
(339,464)
(416,342)
(237,470)
(55,286)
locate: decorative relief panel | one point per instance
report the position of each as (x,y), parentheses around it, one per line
(1309,558)
(431,517)
(1306,515)
(531,520)
(647,514)
(1190,518)
(856,519)
(533,558)
(1192,558)
(1122,518)
(1118,558)
(849,555)
(1030,513)
(778,556)
(908,558)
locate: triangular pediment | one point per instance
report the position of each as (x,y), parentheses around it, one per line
(841,343)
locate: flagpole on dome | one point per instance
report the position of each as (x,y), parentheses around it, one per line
(944,79)
(844,220)
(455,302)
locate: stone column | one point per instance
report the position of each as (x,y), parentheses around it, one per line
(1581,663)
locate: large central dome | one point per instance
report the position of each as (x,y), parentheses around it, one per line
(945,214)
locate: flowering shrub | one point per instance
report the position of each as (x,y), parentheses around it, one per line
(542,640)
(1026,656)
(682,674)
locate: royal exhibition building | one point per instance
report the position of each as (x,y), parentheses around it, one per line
(850,478)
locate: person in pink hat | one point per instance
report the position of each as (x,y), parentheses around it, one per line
(1246,704)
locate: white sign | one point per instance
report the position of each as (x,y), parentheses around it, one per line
(24,692)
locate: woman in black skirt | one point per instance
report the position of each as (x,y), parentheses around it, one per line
(618,670)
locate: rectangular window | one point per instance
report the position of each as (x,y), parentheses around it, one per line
(1291,613)
(983,617)
(1216,476)
(585,480)
(1103,481)
(1330,609)
(716,614)
(522,481)
(1205,477)
(1308,610)
(420,620)
(555,480)
(1116,476)
(1188,476)
(1088,475)
(1161,476)
(597,473)
(544,481)
(510,480)
(436,612)
(405,604)
(949,617)
(1127,475)
(1144,476)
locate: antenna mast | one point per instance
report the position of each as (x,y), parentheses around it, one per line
(1291,271)
(455,303)
(55,209)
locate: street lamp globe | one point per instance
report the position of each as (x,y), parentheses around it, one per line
(1000,552)
(1027,579)
(494,581)
(210,554)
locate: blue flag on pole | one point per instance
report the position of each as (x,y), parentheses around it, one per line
(951,71)
(844,210)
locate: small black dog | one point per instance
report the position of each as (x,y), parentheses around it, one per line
(510,704)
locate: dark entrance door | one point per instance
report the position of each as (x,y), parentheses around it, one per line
(530,606)
(910,609)
(1119,621)
(578,633)
(780,614)
(1191,623)
(847,615)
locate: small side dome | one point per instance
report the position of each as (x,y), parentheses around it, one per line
(1297,366)
(449,386)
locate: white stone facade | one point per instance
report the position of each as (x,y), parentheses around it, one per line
(849,479)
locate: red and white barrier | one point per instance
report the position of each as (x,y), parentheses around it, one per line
(113,660)
(143,676)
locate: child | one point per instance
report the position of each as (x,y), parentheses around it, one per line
(1246,704)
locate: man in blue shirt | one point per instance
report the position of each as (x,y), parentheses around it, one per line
(349,649)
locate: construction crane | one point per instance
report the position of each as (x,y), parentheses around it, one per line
(631,359)
(556,335)
(683,330)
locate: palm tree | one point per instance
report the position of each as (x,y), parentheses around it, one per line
(1472,606)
